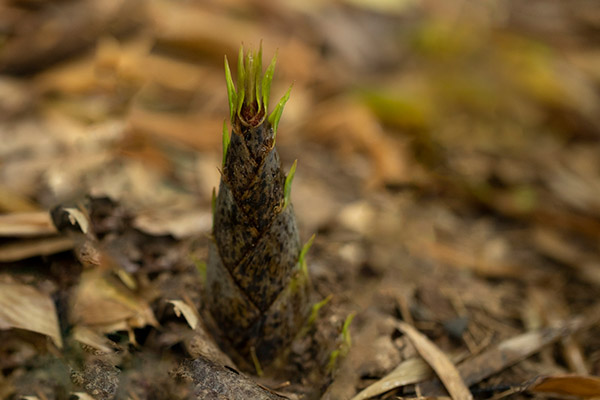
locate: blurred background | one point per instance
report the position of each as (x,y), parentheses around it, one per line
(495,103)
(459,138)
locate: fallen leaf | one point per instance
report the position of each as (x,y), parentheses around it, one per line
(440,363)
(567,385)
(91,338)
(82,396)
(104,305)
(508,353)
(179,223)
(23,249)
(76,216)
(190,315)
(26,224)
(24,307)
(408,372)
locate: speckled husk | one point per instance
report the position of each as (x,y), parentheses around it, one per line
(255,289)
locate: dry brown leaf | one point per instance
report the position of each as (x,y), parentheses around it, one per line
(12,201)
(189,313)
(193,28)
(180,128)
(440,363)
(105,305)
(91,338)
(180,224)
(352,127)
(24,307)
(410,371)
(26,224)
(568,385)
(34,247)
(509,352)
(463,260)
(59,33)
(82,396)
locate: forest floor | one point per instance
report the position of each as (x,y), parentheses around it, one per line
(448,163)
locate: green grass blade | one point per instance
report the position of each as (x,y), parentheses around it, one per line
(241,80)
(287,187)
(275,116)
(302,257)
(266,83)
(346,331)
(259,78)
(231,94)
(316,308)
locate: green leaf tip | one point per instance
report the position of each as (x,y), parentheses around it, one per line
(314,312)
(346,339)
(226,141)
(256,362)
(241,83)
(231,94)
(287,187)
(303,252)
(249,98)
(344,346)
(266,83)
(275,115)
(200,268)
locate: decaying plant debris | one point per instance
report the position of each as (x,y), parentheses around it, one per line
(447,161)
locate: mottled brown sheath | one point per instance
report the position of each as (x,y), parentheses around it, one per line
(256,289)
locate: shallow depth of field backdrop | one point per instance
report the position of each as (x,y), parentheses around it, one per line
(448,162)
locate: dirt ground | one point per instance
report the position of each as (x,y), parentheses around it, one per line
(448,163)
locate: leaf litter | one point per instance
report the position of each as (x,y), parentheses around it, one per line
(450,173)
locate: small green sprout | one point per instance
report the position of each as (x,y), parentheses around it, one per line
(287,187)
(256,362)
(231,94)
(275,116)
(226,140)
(248,102)
(316,308)
(302,257)
(314,313)
(346,339)
(241,84)
(344,347)
(200,267)
(266,83)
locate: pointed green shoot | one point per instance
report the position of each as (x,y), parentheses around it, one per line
(250,77)
(258,87)
(316,308)
(287,187)
(231,94)
(266,83)
(275,116)
(201,268)
(344,347)
(256,362)
(346,339)
(226,140)
(253,78)
(241,86)
(302,256)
